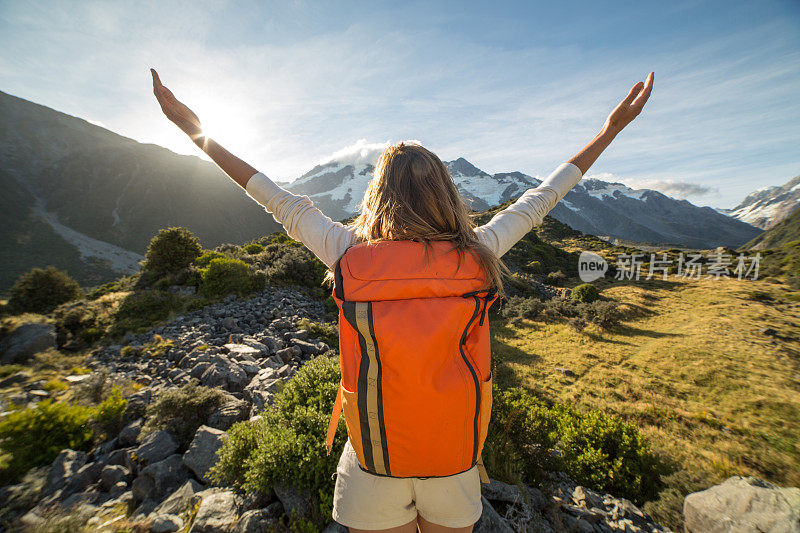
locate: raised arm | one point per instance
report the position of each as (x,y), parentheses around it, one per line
(298,215)
(511,224)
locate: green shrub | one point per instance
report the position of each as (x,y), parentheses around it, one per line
(603,313)
(556,278)
(171,250)
(181,411)
(296,266)
(35,436)
(594,449)
(143,309)
(521,436)
(518,306)
(225,276)
(287,444)
(327,332)
(206,258)
(108,417)
(605,453)
(253,248)
(586,293)
(42,290)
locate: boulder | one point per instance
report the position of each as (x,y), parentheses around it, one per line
(113,474)
(225,374)
(293,500)
(202,453)
(155,447)
(65,465)
(490,521)
(160,478)
(130,433)
(180,500)
(85,476)
(233,411)
(25,341)
(166,523)
(256,521)
(218,511)
(743,504)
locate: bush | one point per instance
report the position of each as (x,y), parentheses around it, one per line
(224,276)
(518,306)
(143,309)
(42,290)
(586,293)
(287,444)
(296,266)
(108,418)
(206,258)
(607,454)
(181,411)
(253,248)
(34,437)
(556,278)
(171,250)
(594,449)
(521,437)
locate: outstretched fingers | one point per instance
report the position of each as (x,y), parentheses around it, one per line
(638,103)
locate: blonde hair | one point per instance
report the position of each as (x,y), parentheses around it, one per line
(412,197)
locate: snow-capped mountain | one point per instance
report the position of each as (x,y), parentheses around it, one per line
(593,206)
(766,207)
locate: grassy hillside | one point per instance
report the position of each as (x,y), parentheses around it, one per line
(782,233)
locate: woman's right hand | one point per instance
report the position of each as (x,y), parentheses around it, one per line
(175,110)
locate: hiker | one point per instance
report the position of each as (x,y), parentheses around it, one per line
(411,207)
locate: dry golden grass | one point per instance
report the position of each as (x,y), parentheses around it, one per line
(689,366)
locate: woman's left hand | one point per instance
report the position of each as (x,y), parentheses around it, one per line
(175,110)
(631,106)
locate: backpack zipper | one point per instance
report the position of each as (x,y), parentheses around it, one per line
(474,377)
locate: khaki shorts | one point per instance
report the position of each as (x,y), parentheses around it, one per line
(366,501)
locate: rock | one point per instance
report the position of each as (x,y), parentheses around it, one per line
(180,500)
(256,521)
(566,371)
(15,379)
(233,411)
(129,434)
(490,521)
(166,523)
(155,447)
(218,511)
(226,374)
(243,351)
(118,490)
(503,492)
(65,465)
(160,478)
(743,504)
(113,474)
(85,476)
(587,498)
(25,341)
(202,453)
(293,500)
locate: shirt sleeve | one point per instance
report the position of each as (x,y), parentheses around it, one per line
(512,223)
(301,219)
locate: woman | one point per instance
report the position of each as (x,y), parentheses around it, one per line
(410,197)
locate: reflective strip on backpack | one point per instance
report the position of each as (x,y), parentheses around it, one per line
(369,392)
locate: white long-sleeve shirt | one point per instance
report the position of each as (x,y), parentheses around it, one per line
(328,240)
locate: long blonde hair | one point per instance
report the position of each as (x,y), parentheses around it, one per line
(412,197)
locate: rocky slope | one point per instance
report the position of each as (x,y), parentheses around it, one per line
(767,207)
(611,210)
(93,199)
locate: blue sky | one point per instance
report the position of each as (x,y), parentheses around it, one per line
(507,85)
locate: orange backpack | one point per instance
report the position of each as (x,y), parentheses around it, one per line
(416,385)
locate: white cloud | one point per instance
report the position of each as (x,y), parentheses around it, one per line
(361,153)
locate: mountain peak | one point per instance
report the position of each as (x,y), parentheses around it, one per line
(464,167)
